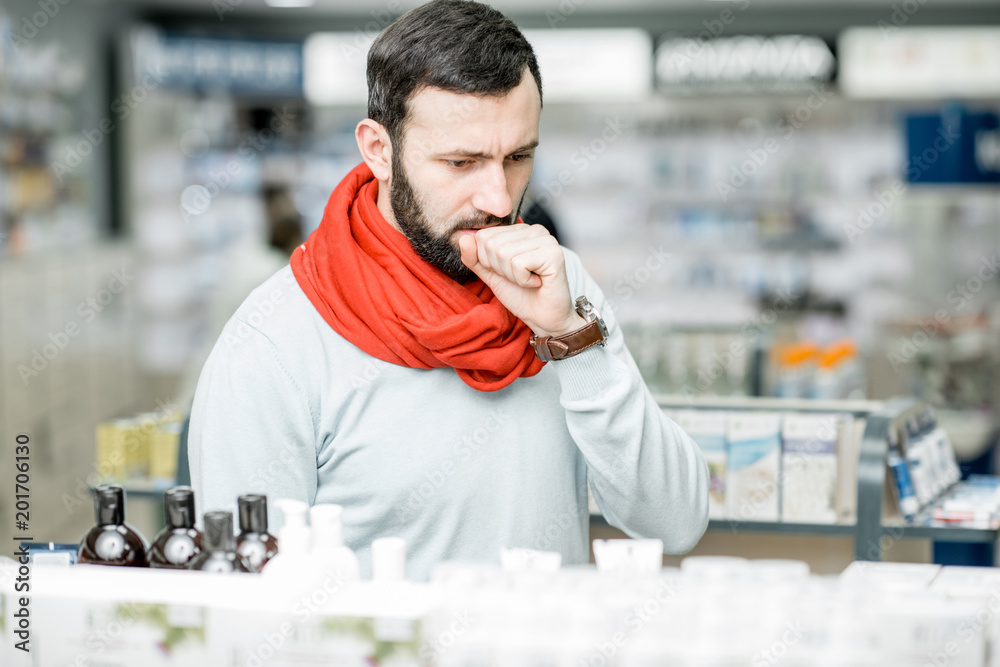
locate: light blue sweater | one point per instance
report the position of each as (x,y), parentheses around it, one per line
(287,407)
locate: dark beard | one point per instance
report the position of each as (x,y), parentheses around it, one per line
(436,250)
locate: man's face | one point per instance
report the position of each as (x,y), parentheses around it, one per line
(464,165)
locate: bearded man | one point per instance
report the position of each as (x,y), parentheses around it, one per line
(427,361)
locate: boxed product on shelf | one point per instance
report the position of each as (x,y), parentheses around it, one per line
(875,575)
(753,465)
(711,611)
(849,437)
(874,614)
(809,468)
(708,429)
(974,503)
(163,449)
(810,464)
(132,616)
(111,449)
(929,456)
(966,580)
(139,447)
(926,480)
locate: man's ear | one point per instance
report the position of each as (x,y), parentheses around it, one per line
(376,149)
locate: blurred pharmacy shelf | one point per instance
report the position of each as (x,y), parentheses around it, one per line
(872,524)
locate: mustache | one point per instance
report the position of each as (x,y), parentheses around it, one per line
(485,220)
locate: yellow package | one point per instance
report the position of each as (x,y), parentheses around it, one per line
(163,448)
(111,455)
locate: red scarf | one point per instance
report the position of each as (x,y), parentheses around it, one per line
(368,283)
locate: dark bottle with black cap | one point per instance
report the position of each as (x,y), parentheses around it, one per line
(218,548)
(111,541)
(179,542)
(254,543)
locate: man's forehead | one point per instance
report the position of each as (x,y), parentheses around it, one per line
(431,105)
(455,118)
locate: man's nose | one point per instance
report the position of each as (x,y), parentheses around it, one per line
(491,193)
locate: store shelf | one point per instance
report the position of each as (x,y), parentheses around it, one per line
(779,527)
(872,533)
(765,527)
(942,533)
(859,408)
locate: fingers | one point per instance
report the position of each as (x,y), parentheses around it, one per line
(521,269)
(522,254)
(470,255)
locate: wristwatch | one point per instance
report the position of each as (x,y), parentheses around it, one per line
(594,332)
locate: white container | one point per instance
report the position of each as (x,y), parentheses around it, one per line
(293,562)
(389,559)
(328,547)
(529,560)
(629,557)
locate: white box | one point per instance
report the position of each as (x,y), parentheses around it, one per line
(708,429)
(753,463)
(809,468)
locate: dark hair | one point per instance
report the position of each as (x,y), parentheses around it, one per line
(460,46)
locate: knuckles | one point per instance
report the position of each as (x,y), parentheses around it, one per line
(504,245)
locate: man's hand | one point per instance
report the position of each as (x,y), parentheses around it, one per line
(526,270)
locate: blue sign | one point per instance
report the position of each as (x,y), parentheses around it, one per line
(955,146)
(241,67)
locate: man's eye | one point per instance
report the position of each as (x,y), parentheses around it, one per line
(519,157)
(458,164)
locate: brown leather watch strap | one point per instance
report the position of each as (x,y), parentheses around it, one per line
(554,348)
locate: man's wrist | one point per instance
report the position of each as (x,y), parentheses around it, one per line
(572,324)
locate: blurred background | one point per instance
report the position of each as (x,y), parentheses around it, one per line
(788,198)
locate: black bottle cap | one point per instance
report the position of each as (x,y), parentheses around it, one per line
(253,513)
(109,505)
(218,532)
(179,507)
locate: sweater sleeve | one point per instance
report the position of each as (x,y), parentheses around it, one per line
(252,429)
(647,475)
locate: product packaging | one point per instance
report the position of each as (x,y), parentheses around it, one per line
(708,429)
(163,445)
(850,433)
(901,482)
(896,577)
(112,541)
(809,468)
(293,562)
(629,557)
(179,542)
(93,615)
(529,560)
(753,464)
(254,542)
(919,452)
(218,545)
(328,548)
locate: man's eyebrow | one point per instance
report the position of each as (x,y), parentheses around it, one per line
(531,145)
